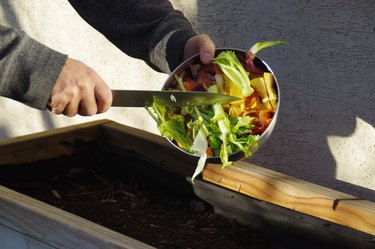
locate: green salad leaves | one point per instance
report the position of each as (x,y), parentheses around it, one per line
(209,130)
(221,129)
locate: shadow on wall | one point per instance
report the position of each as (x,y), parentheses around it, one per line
(9,17)
(326,77)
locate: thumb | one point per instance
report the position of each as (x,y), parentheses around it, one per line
(201,44)
(206,49)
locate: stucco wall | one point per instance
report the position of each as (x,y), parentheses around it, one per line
(325,131)
(57,25)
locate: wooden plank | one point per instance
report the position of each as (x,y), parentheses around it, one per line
(245,178)
(48,144)
(295,194)
(148,146)
(10,239)
(254,181)
(290,228)
(55,227)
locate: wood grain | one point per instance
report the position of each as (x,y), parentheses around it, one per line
(295,194)
(11,239)
(48,144)
(55,227)
(21,213)
(148,146)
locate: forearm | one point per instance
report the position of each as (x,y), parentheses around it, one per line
(151,30)
(28,69)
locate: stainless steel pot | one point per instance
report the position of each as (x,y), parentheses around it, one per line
(263,137)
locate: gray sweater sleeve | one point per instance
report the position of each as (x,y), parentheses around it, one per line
(28,69)
(151,30)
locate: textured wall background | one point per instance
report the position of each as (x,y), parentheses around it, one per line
(57,25)
(325,132)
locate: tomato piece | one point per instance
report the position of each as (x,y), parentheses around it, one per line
(261,122)
(210,68)
(209,151)
(251,101)
(217,69)
(189,84)
(204,79)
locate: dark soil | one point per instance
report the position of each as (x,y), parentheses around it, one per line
(132,197)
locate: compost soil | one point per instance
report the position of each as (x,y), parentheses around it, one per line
(125,194)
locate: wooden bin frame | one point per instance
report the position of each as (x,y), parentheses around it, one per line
(267,200)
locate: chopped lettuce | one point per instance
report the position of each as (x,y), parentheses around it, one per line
(170,125)
(221,118)
(233,69)
(264,44)
(200,145)
(209,127)
(210,130)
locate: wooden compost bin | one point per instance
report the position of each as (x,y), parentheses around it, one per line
(281,206)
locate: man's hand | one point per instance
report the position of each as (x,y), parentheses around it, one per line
(201,44)
(79,90)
